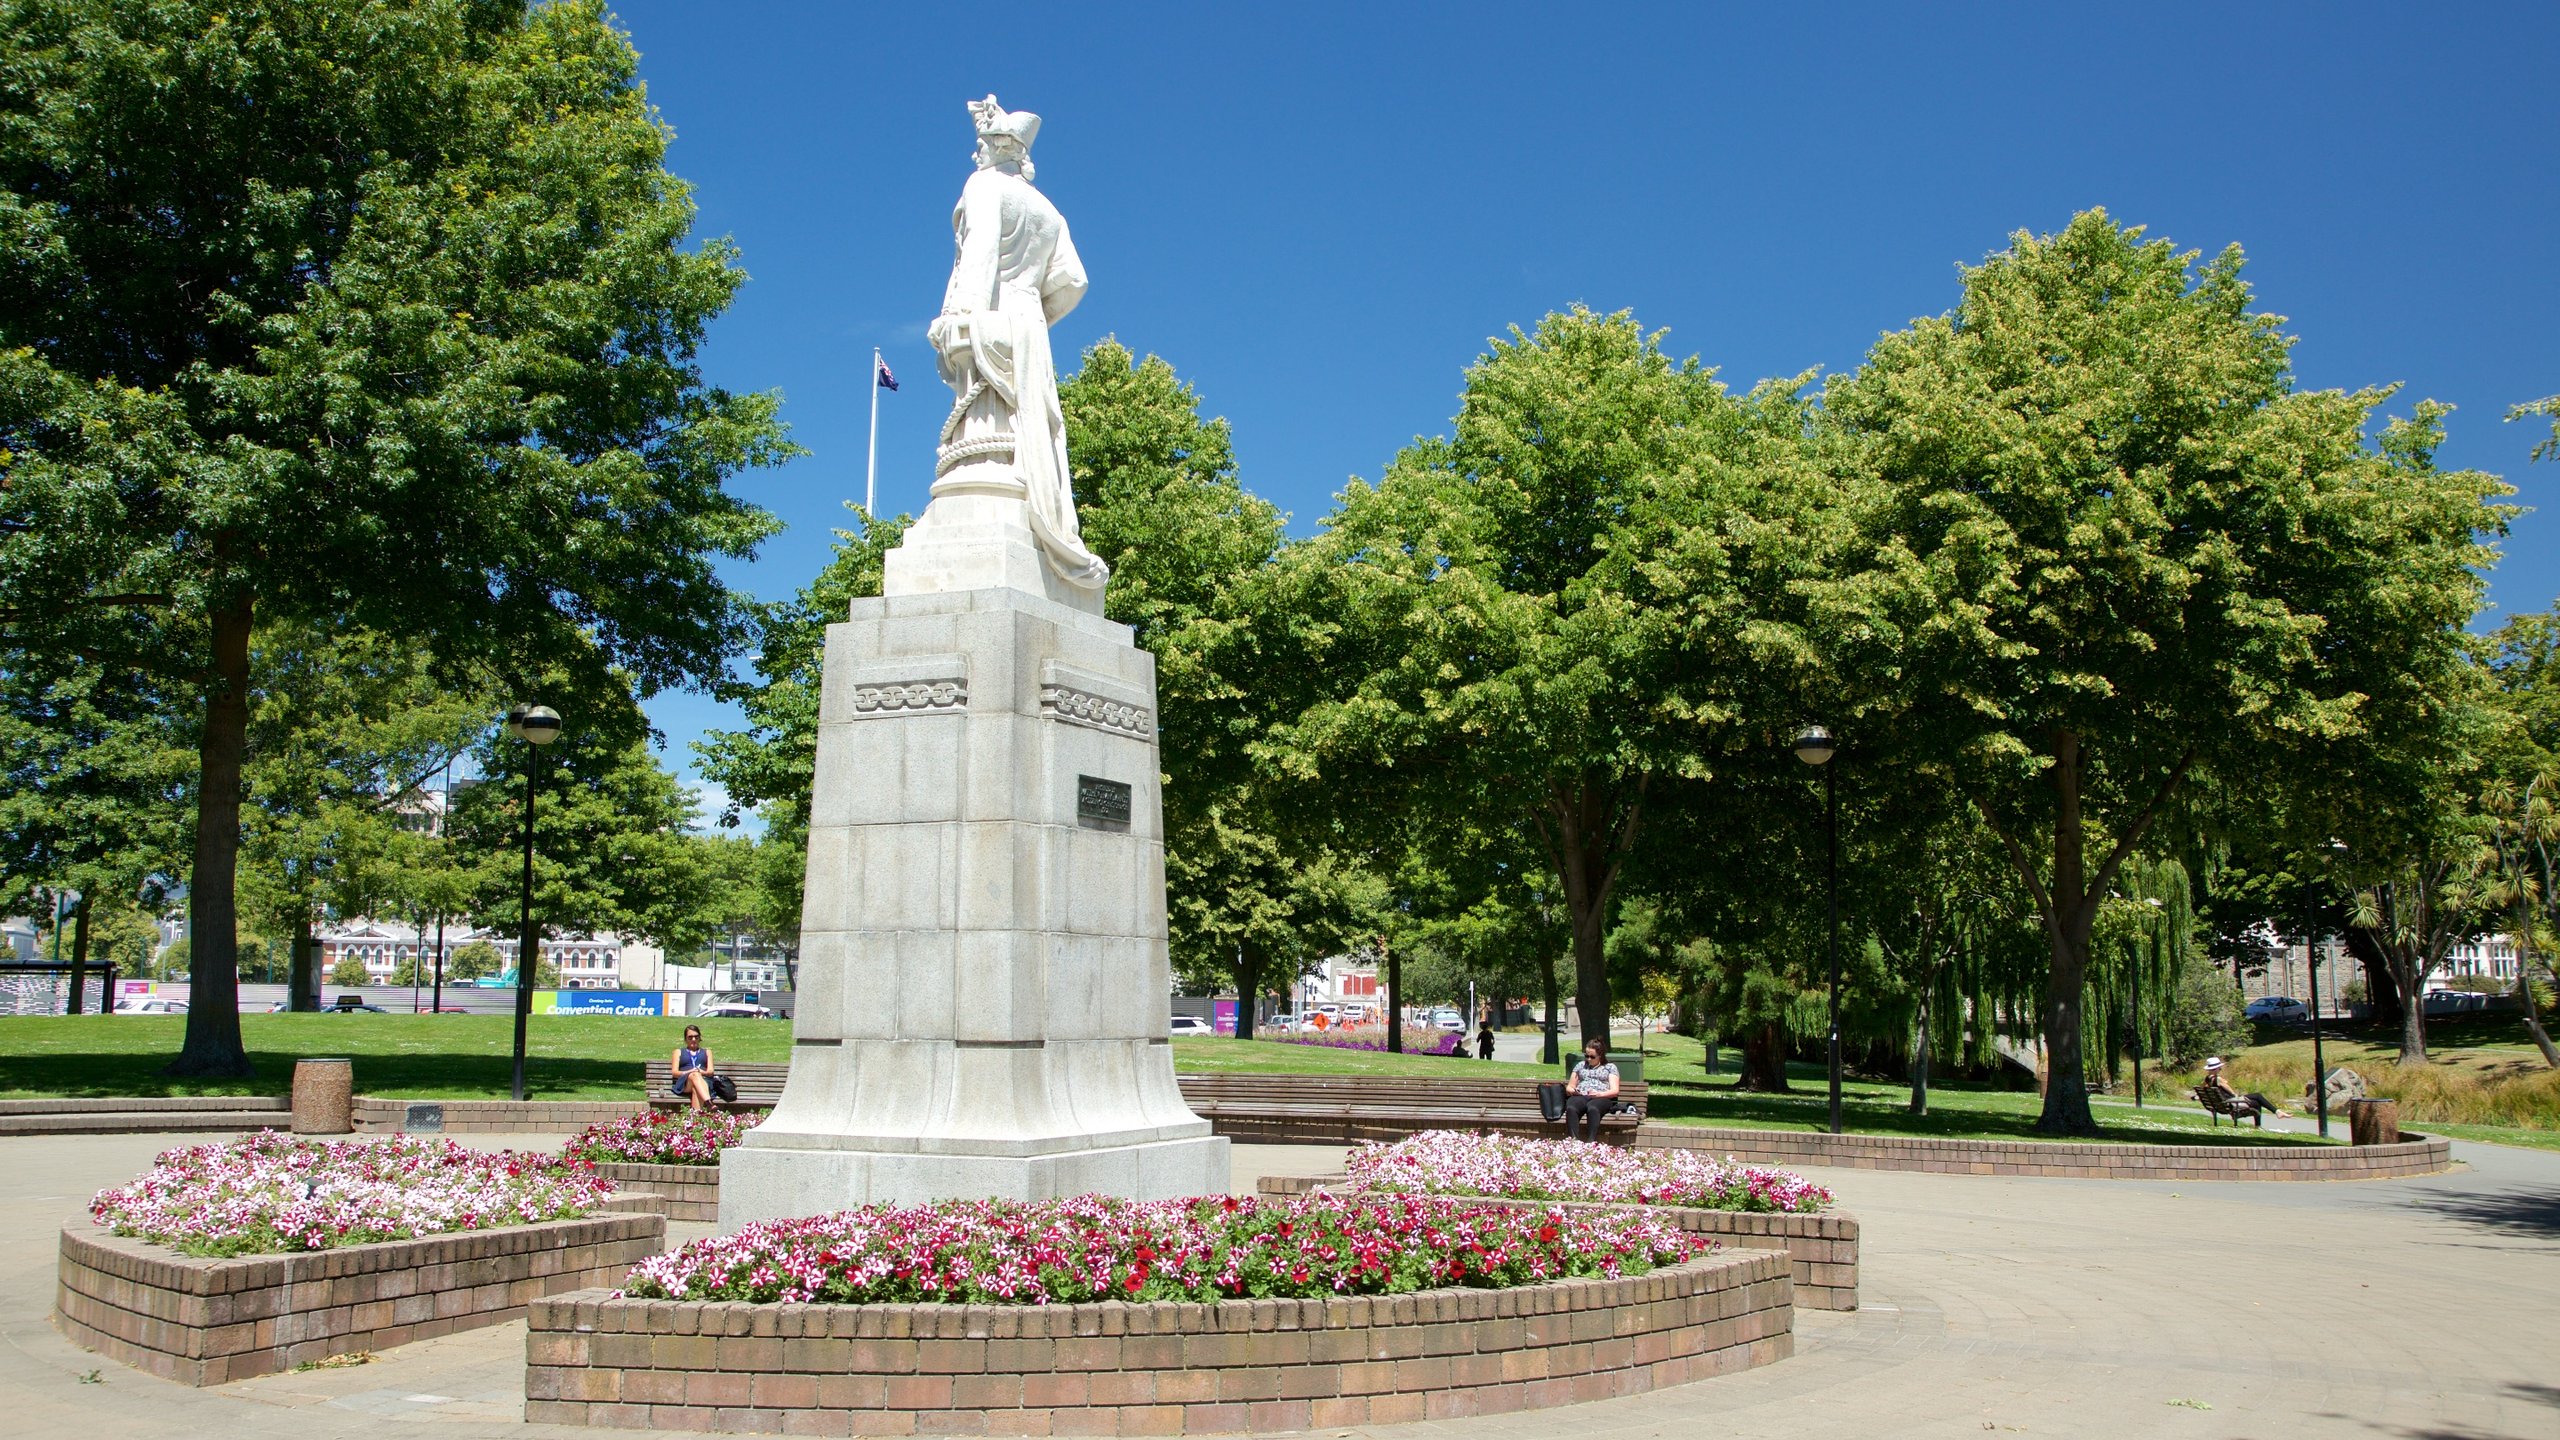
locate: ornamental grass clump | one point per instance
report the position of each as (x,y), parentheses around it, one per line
(269,1192)
(652,1138)
(1001,1252)
(1451,1162)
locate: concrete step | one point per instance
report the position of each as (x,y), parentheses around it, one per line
(144,1104)
(143,1122)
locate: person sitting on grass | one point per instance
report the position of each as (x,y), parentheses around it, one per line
(2213,1077)
(1592,1092)
(693,1069)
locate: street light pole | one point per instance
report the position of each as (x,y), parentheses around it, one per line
(2311,953)
(537,726)
(1814,746)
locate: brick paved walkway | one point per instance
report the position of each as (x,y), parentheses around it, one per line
(2405,1308)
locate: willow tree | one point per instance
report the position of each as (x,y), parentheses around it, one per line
(2134,553)
(373,311)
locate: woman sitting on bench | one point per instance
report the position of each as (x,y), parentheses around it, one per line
(1592,1094)
(692,1069)
(2265,1106)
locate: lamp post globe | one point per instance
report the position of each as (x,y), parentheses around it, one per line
(1814,746)
(536,726)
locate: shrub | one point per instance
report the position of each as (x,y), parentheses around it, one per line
(1093,1247)
(675,1137)
(2205,1016)
(269,1192)
(475,961)
(1417,1041)
(348,971)
(1451,1162)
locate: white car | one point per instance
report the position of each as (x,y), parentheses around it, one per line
(151,1005)
(733,1010)
(1449,1020)
(1192,1025)
(2278,1010)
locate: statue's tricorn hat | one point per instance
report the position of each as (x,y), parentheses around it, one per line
(996,122)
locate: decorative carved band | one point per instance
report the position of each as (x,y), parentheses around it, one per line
(870,702)
(951,457)
(1077,707)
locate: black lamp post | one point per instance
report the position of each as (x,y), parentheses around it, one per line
(2311,953)
(1814,746)
(536,726)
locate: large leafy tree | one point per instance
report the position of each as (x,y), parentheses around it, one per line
(344,728)
(2134,552)
(1585,592)
(352,309)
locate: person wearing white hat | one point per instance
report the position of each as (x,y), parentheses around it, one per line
(2213,1076)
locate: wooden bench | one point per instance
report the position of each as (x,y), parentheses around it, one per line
(759,1086)
(2218,1100)
(1344,1109)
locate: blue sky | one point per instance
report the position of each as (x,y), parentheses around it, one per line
(1319,212)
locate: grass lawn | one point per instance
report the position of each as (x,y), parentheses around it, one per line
(576,1057)
(444,1057)
(463,1057)
(1684,1094)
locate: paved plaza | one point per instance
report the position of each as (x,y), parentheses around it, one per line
(2416,1308)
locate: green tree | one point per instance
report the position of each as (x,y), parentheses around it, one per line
(344,726)
(348,971)
(612,848)
(1540,622)
(2132,551)
(395,325)
(475,960)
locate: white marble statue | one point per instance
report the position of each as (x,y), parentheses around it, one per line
(1014,274)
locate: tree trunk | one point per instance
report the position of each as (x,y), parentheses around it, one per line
(1548,1053)
(2382,991)
(80,961)
(1393,964)
(2533,1013)
(212,1049)
(1247,971)
(1764,1060)
(2413,1007)
(1920,1063)
(302,980)
(1587,836)
(2066,1091)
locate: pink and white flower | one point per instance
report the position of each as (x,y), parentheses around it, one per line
(1454,1162)
(270,1192)
(1214,1247)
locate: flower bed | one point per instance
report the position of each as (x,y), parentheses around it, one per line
(1213,1248)
(1452,1162)
(1416,1042)
(649,1137)
(268,1193)
(1170,1367)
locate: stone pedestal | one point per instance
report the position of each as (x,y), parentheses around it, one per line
(983,976)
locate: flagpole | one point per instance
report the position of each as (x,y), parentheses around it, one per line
(871,480)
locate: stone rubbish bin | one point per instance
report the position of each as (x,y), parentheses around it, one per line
(2373,1122)
(323,1097)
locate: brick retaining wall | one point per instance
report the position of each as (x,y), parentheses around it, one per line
(1156,1369)
(1821,1248)
(373,1115)
(2421,1156)
(691,1192)
(205,1322)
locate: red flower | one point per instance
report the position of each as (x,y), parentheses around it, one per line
(1547,1233)
(1138,1279)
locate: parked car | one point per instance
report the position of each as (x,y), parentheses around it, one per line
(151,1005)
(1450,1020)
(1192,1025)
(2454,1002)
(732,1010)
(354,1005)
(2277,1010)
